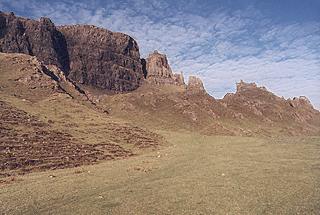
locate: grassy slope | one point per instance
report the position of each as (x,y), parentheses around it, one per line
(194,175)
(191,174)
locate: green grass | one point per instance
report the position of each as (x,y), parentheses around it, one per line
(193,175)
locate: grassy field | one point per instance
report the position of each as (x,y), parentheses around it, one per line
(192,175)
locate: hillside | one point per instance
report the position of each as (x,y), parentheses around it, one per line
(89,127)
(44,111)
(166,102)
(89,86)
(47,122)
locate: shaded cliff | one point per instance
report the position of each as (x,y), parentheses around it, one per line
(102,58)
(87,54)
(38,38)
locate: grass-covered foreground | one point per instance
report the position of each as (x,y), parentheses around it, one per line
(192,175)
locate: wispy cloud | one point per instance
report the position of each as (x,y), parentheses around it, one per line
(222,47)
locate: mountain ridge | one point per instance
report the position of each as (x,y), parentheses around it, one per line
(101,62)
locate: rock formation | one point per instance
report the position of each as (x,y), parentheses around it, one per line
(243,86)
(159,72)
(258,103)
(38,38)
(87,54)
(102,58)
(195,85)
(302,101)
(178,79)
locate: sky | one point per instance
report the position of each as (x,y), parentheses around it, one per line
(275,43)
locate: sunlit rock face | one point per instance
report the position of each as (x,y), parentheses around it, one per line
(195,85)
(158,71)
(243,86)
(178,78)
(300,101)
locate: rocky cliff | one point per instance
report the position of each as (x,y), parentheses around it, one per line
(102,58)
(195,85)
(38,38)
(87,54)
(158,70)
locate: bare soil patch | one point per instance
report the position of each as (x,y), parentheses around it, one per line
(28,144)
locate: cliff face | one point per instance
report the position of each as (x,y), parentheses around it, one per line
(38,38)
(87,54)
(195,85)
(158,70)
(103,59)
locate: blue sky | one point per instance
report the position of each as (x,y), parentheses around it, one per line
(275,43)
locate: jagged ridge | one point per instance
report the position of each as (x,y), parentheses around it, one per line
(107,60)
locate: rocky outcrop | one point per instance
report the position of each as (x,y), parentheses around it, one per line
(38,38)
(300,102)
(158,71)
(158,66)
(178,79)
(87,54)
(195,85)
(243,86)
(254,102)
(102,58)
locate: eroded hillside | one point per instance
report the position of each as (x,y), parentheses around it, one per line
(47,122)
